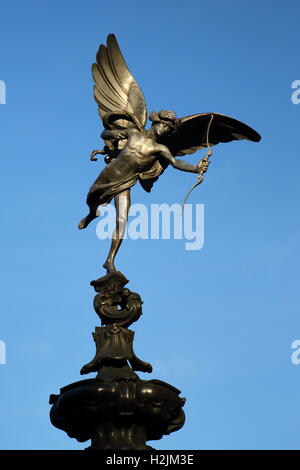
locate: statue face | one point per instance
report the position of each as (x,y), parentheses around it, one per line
(162,128)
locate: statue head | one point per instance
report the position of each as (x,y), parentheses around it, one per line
(163,122)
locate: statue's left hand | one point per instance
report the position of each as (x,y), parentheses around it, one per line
(203,165)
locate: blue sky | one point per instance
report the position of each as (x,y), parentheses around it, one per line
(218,323)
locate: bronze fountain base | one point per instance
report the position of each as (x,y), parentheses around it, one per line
(117,410)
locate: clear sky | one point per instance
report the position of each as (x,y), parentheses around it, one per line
(218,323)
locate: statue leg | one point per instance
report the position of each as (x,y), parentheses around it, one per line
(86,220)
(122,203)
(93,203)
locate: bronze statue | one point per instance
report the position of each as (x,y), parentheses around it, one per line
(117,410)
(133,153)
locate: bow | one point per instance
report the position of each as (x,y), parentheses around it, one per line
(206,157)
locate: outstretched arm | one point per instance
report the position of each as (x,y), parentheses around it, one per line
(178,164)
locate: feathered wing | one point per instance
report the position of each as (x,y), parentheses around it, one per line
(115,88)
(191,133)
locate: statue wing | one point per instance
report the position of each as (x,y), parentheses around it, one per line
(190,133)
(116,91)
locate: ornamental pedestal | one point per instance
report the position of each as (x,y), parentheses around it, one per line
(117,410)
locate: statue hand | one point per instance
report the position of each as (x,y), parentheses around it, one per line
(122,135)
(203,165)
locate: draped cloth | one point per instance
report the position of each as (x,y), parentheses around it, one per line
(103,193)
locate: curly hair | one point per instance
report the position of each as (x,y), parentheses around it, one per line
(167,115)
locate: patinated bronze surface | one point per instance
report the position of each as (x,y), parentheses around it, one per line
(117,410)
(133,153)
(119,414)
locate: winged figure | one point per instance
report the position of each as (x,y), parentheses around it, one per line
(133,153)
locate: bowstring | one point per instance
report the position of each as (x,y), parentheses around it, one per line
(207,155)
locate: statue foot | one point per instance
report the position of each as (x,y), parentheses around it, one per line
(109,266)
(86,220)
(83,223)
